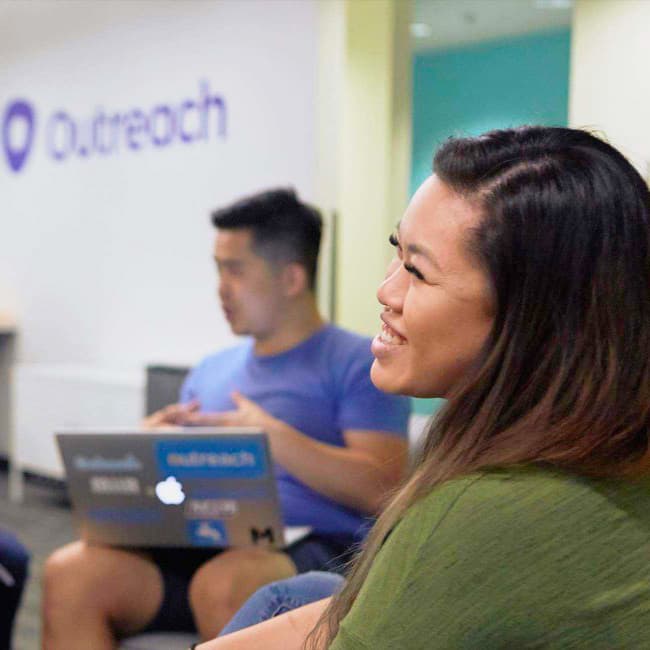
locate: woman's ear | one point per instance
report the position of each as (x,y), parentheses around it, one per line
(294,279)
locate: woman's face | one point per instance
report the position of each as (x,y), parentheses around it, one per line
(438,306)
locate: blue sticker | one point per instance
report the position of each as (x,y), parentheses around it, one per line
(251,492)
(207,533)
(211,458)
(125,515)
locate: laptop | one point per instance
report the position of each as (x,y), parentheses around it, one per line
(175,488)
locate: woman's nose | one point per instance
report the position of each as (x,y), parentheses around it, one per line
(391,291)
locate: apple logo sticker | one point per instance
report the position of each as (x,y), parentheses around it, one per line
(170,491)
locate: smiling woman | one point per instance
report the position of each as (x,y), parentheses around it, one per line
(521,292)
(438,292)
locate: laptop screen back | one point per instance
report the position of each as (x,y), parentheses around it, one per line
(192,488)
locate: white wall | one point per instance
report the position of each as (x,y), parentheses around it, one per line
(106,260)
(609,86)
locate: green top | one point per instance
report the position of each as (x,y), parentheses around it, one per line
(524,558)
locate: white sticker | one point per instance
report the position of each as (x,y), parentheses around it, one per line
(211,508)
(114,485)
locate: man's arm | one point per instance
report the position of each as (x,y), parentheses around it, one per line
(358,475)
(285,632)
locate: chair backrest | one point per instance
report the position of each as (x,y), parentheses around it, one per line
(163,386)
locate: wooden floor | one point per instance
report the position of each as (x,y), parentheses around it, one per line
(42,522)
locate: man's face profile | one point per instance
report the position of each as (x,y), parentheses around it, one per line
(250,290)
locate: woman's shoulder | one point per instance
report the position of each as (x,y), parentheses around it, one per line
(515,557)
(535,504)
(544,486)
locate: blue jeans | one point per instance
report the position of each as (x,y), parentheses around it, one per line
(14,560)
(282,596)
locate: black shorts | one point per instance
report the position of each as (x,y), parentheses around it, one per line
(177,566)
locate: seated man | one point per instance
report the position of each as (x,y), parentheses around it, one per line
(339,444)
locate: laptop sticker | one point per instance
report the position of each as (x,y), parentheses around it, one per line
(207,533)
(123,485)
(211,458)
(170,491)
(262,535)
(125,515)
(202,508)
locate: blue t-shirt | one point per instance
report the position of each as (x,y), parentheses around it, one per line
(321,387)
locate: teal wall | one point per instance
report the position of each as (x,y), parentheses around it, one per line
(469,90)
(421,406)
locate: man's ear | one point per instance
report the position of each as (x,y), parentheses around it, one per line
(294,279)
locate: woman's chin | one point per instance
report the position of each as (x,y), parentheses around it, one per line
(385,380)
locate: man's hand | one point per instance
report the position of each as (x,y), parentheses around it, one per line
(247,414)
(172,415)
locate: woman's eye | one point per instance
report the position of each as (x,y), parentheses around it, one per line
(393,241)
(413,271)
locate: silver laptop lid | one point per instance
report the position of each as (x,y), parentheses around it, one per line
(177,487)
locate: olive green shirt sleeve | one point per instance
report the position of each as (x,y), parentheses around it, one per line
(510,560)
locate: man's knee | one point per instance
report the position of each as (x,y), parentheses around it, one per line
(63,579)
(215,582)
(65,564)
(67,577)
(77,577)
(225,581)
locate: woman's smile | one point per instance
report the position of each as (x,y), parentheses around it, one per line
(386,341)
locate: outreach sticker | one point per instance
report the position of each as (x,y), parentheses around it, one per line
(225,458)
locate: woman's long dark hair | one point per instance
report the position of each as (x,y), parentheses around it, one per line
(564,378)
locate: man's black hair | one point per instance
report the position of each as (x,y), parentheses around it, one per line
(284,229)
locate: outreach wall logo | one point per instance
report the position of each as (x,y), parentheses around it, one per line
(18,133)
(67,136)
